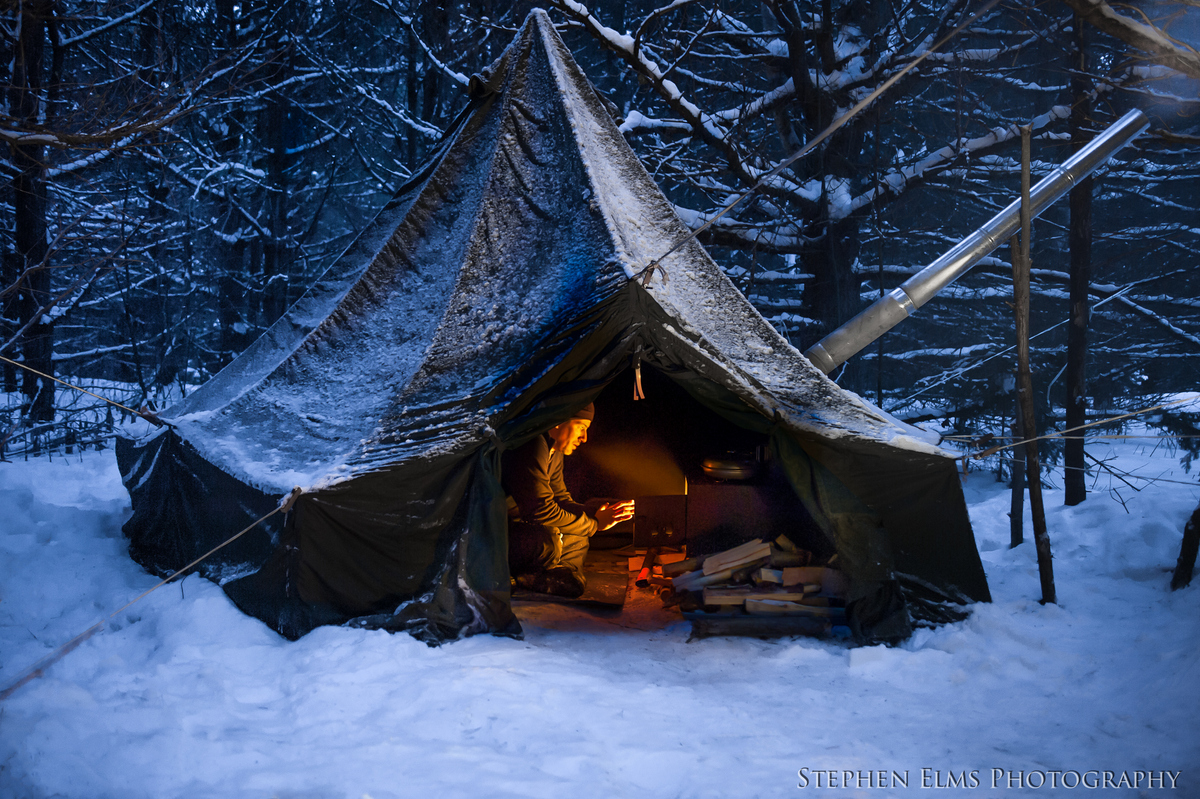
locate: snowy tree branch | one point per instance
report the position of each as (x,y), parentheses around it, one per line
(1145,37)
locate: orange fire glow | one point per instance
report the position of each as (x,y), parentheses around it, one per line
(642,469)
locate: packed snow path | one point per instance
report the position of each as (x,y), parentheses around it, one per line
(184,696)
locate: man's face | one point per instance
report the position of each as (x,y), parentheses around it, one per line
(569,435)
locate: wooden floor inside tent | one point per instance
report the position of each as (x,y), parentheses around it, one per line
(611,603)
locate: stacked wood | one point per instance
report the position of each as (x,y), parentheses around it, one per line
(750,553)
(786,554)
(749,582)
(832,581)
(695,580)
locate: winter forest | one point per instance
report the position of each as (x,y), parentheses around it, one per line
(178,173)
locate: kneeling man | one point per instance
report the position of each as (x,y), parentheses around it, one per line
(548,531)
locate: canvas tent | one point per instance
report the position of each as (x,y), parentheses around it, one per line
(490,298)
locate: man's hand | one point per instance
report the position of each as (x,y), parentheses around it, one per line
(611,513)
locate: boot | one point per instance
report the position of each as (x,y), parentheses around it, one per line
(557,580)
(564,581)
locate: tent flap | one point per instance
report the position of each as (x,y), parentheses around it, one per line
(183,506)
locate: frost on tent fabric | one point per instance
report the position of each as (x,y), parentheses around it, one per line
(489,299)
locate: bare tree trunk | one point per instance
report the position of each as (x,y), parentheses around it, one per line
(435,19)
(233,269)
(1080,242)
(1016,510)
(1033,467)
(152,315)
(279,129)
(1187,552)
(832,297)
(29,204)
(413,95)
(10,272)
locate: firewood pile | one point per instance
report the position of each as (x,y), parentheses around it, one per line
(759,588)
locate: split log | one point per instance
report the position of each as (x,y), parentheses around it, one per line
(786,544)
(783,560)
(743,573)
(765,576)
(832,581)
(694,581)
(737,557)
(675,569)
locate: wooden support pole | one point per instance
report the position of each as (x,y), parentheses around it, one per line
(1187,552)
(1033,468)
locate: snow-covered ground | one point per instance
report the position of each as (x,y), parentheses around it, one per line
(183,696)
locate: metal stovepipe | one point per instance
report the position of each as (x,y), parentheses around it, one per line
(896,306)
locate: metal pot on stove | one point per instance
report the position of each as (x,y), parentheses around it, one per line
(731,466)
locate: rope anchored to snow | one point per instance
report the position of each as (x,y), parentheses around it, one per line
(40,667)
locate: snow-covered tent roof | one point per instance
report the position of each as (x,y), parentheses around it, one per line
(494,291)
(538,208)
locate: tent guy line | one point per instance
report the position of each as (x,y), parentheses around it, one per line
(1120,476)
(145,413)
(972,438)
(1005,351)
(648,273)
(1061,433)
(39,668)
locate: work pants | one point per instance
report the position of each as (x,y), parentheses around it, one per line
(533,548)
